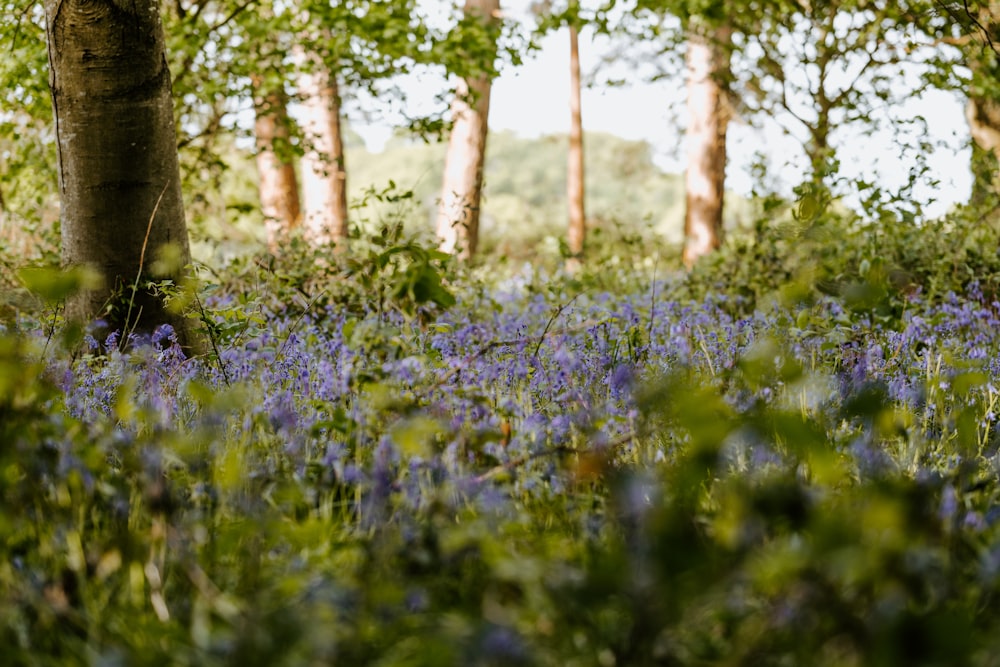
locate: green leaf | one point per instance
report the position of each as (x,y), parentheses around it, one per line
(418,435)
(55,285)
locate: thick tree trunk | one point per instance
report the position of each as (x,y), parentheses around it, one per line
(324,175)
(982,111)
(277,183)
(707,65)
(118,170)
(461,192)
(983,164)
(983,116)
(574,172)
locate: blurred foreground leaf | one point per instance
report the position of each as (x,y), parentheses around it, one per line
(55,285)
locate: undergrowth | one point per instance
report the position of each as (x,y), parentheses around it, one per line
(788,456)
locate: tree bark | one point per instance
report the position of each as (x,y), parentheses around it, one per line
(574,173)
(324,174)
(3,209)
(707,64)
(461,192)
(983,116)
(982,110)
(983,164)
(277,183)
(118,170)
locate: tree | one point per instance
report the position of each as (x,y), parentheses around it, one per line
(278,184)
(705,30)
(461,193)
(983,116)
(824,67)
(707,63)
(815,67)
(575,193)
(324,175)
(351,44)
(574,20)
(974,31)
(119,178)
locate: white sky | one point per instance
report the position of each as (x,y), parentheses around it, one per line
(533,100)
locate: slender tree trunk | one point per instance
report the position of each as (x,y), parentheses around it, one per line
(818,150)
(324,175)
(461,192)
(118,171)
(277,183)
(574,172)
(707,63)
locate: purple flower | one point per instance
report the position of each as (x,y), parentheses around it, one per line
(163,335)
(620,380)
(504,646)
(949,504)
(974,521)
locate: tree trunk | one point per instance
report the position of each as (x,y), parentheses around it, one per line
(324,175)
(118,170)
(3,208)
(982,110)
(461,192)
(984,127)
(277,183)
(818,150)
(574,172)
(983,164)
(707,63)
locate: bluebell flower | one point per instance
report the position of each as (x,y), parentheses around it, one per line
(503,645)
(949,504)
(163,335)
(974,521)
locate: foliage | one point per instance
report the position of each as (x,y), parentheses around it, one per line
(515,471)
(826,73)
(27,147)
(862,60)
(386,275)
(877,263)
